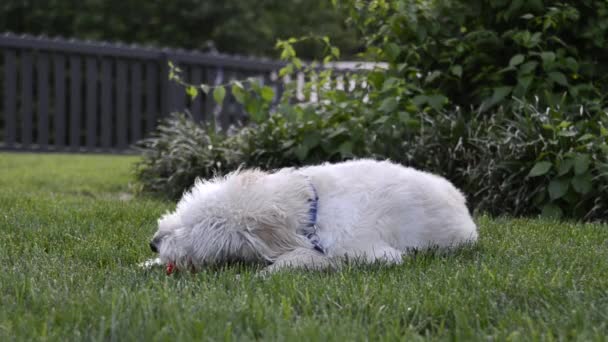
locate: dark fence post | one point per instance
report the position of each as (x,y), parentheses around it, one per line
(136,116)
(166,99)
(26,98)
(152,101)
(75,103)
(42,85)
(10,99)
(92,73)
(106,104)
(121,105)
(59,101)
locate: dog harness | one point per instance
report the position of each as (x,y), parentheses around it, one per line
(311,231)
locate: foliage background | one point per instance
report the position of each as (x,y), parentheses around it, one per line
(244,27)
(506,99)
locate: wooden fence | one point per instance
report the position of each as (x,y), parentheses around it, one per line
(76,96)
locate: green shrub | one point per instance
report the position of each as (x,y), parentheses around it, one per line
(521,162)
(483,52)
(179,151)
(524,163)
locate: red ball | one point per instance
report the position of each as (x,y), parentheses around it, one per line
(170,268)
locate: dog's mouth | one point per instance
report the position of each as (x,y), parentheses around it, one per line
(171,267)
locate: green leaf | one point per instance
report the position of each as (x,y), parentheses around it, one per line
(392,51)
(239,93)
(566,133)
(267,93)
(381,120)
(552,211)
(286,70)
(558,188)
(527,67)
(581,163)
(192,92)
(558,78)
(335,52)
(565,167)
(376,79)
(218,94)
(535,39)
(390,83)
(254,109)
(548,57)
(582,184)
(389,105)
(437,101)
(205,88)
(585,137)
(432,76)
(516,60)
(456,70)
(571,64)
(525,81)
(301,152)
(419,100)
(311,140)
(540,169)
(346,149)
(498,94)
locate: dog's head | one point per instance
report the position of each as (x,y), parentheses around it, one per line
(245,216)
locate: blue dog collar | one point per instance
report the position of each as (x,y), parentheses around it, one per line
(312,228)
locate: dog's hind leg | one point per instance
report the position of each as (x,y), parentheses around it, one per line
(300,258)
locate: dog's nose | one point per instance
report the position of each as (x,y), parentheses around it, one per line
(153,246)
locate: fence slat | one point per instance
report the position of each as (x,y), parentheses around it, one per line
(91,101)
(121,104)
(59,101)
(151,96)
(106,103)
(10,103)
(213,77)
(135,102)
(75,101)
(26,99)
(166,98)
(42,84)
(179,96)
(195,107)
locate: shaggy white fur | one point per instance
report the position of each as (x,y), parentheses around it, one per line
(368,210)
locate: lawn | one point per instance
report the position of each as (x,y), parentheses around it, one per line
(71,236)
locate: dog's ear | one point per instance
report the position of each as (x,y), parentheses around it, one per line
(271,237)
(267,209)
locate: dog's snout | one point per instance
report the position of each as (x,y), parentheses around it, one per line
(154,246)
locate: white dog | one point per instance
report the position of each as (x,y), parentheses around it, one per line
(312,216)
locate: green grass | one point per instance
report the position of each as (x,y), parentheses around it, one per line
(70,240)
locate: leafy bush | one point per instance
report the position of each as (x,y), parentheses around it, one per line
(483,52)
(521,162)
(524,163)
(179,151)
